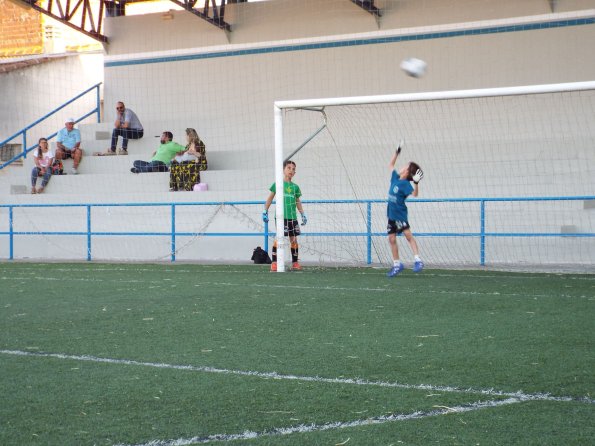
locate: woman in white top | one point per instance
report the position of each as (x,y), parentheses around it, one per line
(44,159)
(184,171)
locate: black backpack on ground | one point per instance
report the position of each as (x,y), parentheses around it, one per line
(260,256)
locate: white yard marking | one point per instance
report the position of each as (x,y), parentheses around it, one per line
(386,288)
(521,396)
(305,428)
(366,271)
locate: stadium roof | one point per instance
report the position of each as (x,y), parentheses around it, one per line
(86,16)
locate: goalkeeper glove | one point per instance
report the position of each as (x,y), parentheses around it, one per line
(398,151)
(304,219)
(265,216)
(418,176)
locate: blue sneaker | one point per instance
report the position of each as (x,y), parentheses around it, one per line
(395,270)
(418,267)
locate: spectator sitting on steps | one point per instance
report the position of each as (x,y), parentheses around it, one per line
(161,157)
(44,158)
(68,145)
(184,171)
(128,126)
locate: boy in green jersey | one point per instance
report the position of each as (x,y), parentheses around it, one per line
(291,201)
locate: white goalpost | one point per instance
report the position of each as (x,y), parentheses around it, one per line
(510,175)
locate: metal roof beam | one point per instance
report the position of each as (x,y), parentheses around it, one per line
(215,18)
(368,5)
(91,20)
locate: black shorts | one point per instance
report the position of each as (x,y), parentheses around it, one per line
(396,227)
(292,227)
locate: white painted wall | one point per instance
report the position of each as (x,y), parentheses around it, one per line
(32,92)
(229,98)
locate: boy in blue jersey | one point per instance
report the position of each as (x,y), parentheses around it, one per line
(400,189)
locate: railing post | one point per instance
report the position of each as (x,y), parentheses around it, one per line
(98,104)
(173,232)
(482,237)
(88,233)
(24,143)
(11,236)
(369,230)
(266,237)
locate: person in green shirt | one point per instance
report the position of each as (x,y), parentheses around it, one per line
(291,201)
(161,157)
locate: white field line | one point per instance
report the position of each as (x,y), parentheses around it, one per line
(305,428)
(366,271)
(521,396)
(389,290)
(170,283)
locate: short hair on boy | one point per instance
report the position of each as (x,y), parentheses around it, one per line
(169,135)
(286,162)
(413,167)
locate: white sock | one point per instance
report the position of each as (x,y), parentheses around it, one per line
(396,262)
(417,258)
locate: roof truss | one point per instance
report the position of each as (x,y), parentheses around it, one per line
(368,5)
(81,15)
(87,17)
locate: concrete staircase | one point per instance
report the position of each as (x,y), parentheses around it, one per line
(109,179)
(59,232)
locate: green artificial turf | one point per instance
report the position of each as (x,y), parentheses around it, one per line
(94,354)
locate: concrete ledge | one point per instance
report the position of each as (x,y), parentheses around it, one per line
(569,229)
(18,189)
(103,135)
(96,197)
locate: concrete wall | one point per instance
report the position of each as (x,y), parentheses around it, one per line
(20,30)
(227,94)
(184,72)
(36,90)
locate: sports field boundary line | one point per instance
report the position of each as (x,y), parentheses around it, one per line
(436,271)
(307,428)
(306,287)
(521,396)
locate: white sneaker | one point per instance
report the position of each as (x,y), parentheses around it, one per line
(73,171)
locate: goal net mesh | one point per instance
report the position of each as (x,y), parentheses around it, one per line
(495,168)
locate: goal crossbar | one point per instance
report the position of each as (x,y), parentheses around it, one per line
(437,95)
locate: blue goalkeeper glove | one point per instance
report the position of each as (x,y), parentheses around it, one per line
(304,219)
(265,216)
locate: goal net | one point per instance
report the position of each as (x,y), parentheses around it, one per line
(509,176)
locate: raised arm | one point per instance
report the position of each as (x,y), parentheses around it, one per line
(415,192)
(393,160)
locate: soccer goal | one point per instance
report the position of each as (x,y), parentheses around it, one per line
(509,176)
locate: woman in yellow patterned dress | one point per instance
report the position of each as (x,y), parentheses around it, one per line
(184,171)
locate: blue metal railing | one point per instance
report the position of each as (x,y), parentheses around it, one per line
(369,234)
(23,132)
